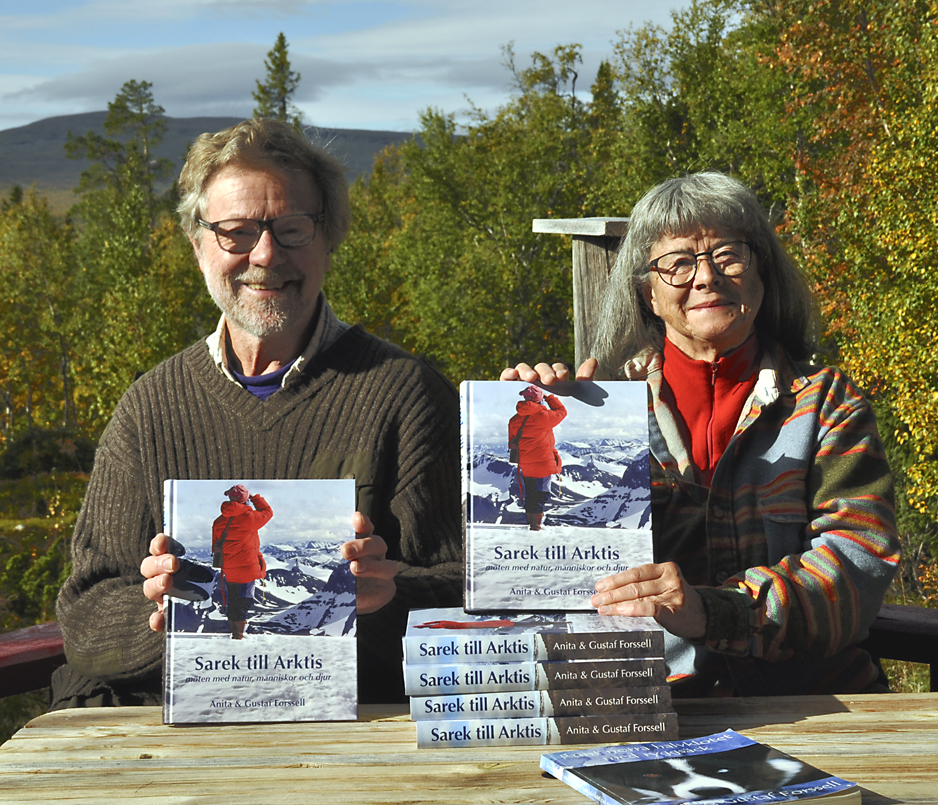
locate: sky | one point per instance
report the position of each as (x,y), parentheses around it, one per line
(364,64)
(302,510)
(625,414)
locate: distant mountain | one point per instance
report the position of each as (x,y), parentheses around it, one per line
(35,154)
(307,590)
(602,483)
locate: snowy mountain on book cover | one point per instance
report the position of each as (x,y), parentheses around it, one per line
(556,490)
(261,623)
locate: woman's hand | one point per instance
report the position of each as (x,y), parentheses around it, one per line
(657,591)
(367,559)
(157,570)
(549,373)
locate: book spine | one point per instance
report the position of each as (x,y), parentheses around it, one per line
(542,703)
(424,680)
(439,649)
(169,486)
(465,455)
(169,684)
(545,731)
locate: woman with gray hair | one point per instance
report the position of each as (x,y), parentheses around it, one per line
(772,501)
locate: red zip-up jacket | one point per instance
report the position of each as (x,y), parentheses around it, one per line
(536,454)
(242,561)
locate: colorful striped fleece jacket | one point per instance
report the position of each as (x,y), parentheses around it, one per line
(794,543)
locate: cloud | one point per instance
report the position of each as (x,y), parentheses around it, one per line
(192,79)
(364,63)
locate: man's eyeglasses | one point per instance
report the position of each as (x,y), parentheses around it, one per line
(240,235)
(680,268)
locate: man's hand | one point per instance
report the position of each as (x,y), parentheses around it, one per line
(657,591)
(157,569)
(549,374)
(375,573)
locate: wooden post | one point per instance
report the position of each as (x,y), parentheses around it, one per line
(595,245)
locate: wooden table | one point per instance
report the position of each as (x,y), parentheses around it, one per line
(887,743)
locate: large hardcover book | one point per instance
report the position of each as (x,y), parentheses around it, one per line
(451,636)
(260,623)
(438,680)
(722,769)
(545,731)
(556,491)
(542,703)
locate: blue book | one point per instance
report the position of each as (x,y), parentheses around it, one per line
(722,769)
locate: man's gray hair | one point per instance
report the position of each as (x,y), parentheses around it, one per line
(680,207)
(262,144)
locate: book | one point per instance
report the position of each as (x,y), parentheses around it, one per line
(542,703)
(261,620)
(574,507)
(436,680)
(544,731)
(450,635)
(721,769)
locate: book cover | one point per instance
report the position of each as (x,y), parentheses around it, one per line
(437,680)
(542,703)
(556,491)
(722,769)
(450,635)
(260,623)
(545,731)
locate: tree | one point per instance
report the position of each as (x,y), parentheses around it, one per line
(141,291)
(125,159)
(442,256)
(39,299)
(866,221)
(274,95)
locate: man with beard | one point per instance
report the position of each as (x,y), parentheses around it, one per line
(281,389)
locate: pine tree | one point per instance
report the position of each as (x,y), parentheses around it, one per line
(273,96)
(135,125)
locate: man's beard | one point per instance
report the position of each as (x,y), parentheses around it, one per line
(260,318)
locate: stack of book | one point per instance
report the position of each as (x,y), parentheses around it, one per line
(547,669)
(535,678)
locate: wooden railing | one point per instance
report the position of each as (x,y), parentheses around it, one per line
(28,657)
(900,632)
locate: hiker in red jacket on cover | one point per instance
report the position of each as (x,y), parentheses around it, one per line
(532,430)
(235,537)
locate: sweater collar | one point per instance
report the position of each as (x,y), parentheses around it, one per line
(327,331)
(734,367)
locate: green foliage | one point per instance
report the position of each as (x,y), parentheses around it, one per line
(274,94)
(36,519)
(36,317)
(124,160)
(866,217)
(36,451)
(142,296)
(442,257)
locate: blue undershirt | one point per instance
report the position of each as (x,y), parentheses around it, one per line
(262,385)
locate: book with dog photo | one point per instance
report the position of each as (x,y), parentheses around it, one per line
(722,769)
(556,491)
(260,622)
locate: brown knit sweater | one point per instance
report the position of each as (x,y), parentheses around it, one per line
(362,408)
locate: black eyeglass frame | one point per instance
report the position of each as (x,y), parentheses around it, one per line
(263,224)
(653,265)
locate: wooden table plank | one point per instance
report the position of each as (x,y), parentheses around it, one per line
(887,743)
